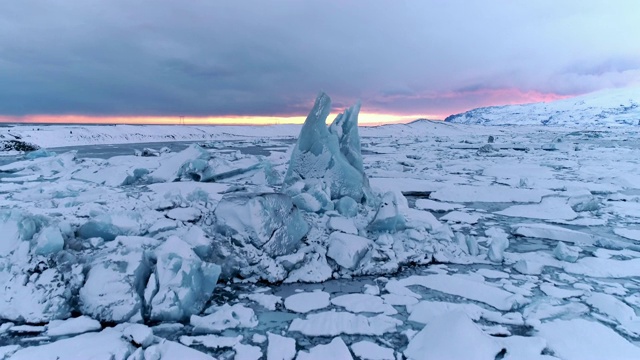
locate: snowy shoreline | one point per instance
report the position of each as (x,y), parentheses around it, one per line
(52,136)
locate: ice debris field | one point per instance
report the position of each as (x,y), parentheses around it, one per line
(427,240)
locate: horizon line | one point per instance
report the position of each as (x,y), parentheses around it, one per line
(364,119)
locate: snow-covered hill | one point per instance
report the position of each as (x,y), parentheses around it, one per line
(613,107)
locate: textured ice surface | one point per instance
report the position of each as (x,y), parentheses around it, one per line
(332,157)
(266,221)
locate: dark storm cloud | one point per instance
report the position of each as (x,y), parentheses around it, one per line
(271,58)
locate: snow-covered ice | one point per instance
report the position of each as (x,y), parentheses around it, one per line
(307,301)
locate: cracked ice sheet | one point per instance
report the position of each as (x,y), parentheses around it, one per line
(457,285)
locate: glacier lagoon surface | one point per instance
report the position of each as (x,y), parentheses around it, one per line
(524,248)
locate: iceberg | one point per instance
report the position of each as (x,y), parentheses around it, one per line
(331,155)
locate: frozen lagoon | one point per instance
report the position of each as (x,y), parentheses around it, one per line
(575,187)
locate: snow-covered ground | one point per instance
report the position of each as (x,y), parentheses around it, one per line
(611,107)
(446,247)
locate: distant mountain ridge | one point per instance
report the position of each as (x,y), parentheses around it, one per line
(611,107)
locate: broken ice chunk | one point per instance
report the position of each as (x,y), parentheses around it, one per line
(16,227)
(307,301)
(114,284)
(38,296)
(280,347)
(49,241)
(171,165)
(267,221)
(589,340)
(184,214)
(342,224)
(72,326)
(107,344)
(225,317)
(109,226)
(332,323)
(390,216)
(138,334)
(452,336)
(336,349)
(184,282)
(563,252)
(347,250)
(347,207)
(499,243)
(358,303)
(368,350)
(551,208)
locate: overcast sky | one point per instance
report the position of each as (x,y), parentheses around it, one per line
(211,58)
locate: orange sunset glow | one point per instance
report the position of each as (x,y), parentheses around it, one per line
(364,118)
(485,97)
